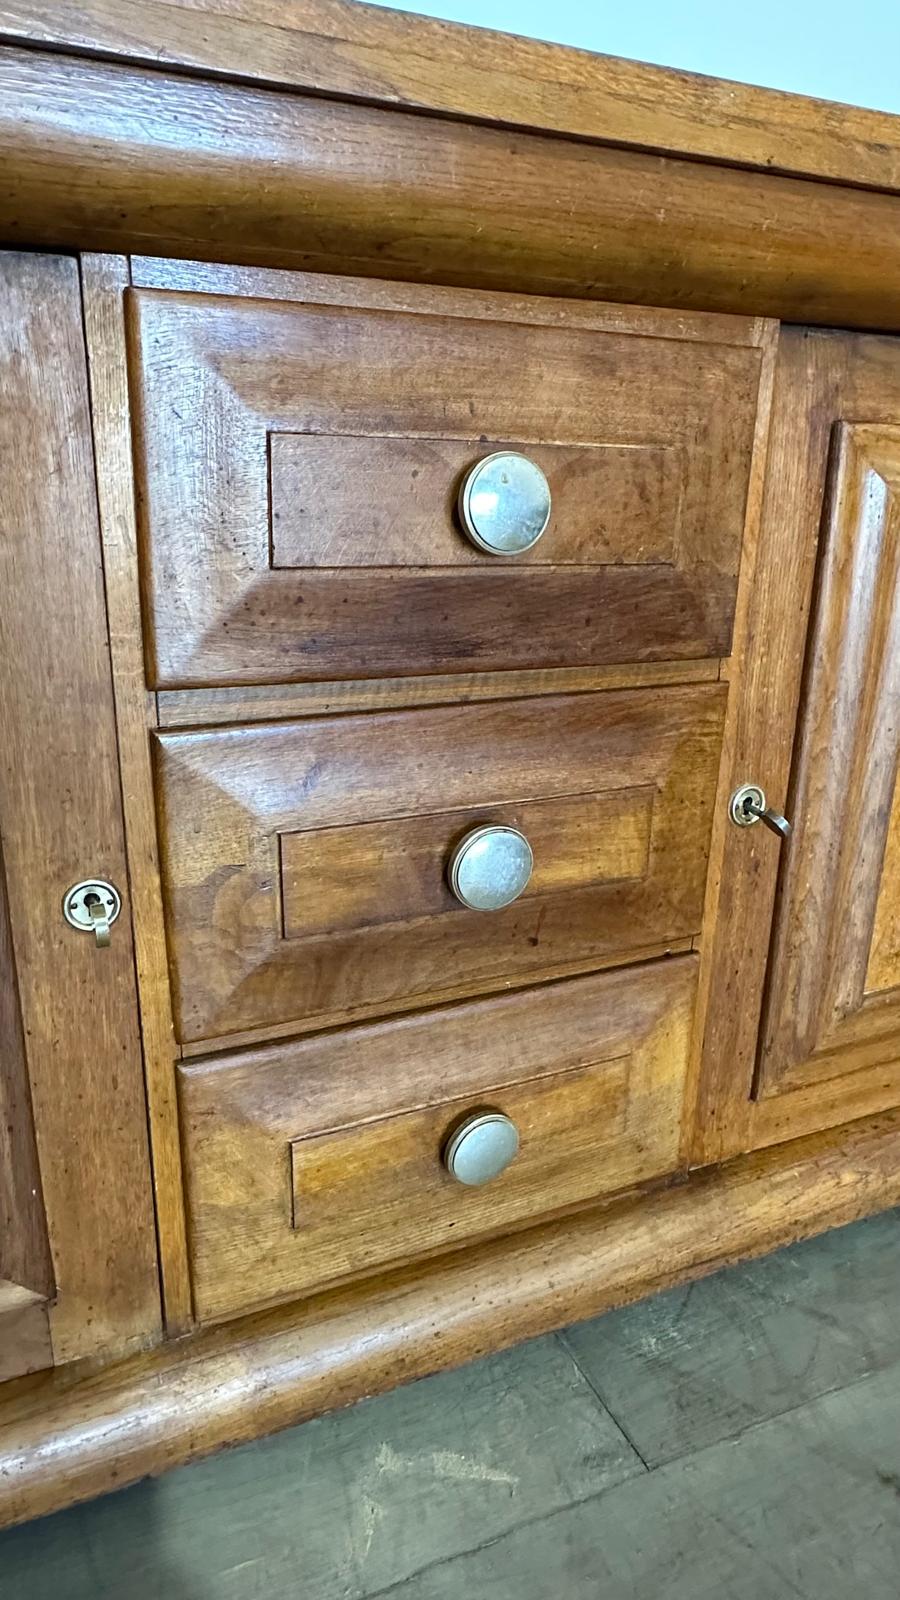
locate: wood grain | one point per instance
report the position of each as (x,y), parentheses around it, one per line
(60,811)
(97,156)
(883,960)
(104,281)
(640,560)
(376,873)
(25,1344)
(337,289)
(364,52)
(189,708)
(718,1090)
(828,1007)
(319,1160)
(226,797)
(610,503)
(765,695)
(24,1247)
(231,1384)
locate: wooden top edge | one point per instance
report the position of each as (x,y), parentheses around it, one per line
(356,51)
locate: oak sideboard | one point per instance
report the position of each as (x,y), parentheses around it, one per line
(450,633)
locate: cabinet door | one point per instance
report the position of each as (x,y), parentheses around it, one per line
(833,1004)
(78,1271)
(803,1017)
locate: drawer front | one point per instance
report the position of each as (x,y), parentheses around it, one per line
(298,469)
(323,1159)
(307,865)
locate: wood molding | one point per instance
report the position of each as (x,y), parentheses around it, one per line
(103,281)
(770,637)
(354,51)
(708,1069)
(311,288)
(102,157)
(78,1434)
(191,708)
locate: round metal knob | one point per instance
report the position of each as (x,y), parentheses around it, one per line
(481,1148)
(504,503)
(490,867)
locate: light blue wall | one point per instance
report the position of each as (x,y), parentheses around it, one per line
(834,48)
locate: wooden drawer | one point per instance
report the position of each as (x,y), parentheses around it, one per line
(298,468)
(321,1159)
(305,863)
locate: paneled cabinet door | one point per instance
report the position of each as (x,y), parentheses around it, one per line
(807,938)
(78,1269)
(833,1001)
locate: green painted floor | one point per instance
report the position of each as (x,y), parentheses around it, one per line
(735,1440)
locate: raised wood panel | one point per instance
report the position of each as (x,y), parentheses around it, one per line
(244,373)
(831,1005)
(365,501)
(562,1118)
(376,873)
(233,803)
(60,815)
(313,1161)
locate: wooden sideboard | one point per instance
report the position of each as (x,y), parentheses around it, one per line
(450,647)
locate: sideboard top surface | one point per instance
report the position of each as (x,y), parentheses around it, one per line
(350,50)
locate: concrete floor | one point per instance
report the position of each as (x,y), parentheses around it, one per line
(734,1440)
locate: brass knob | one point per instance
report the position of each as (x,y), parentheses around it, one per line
(504,503)
(490,868)
(481,1148)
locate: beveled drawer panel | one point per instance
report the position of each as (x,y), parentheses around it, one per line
(603,495)
(322,1159)
(298,468)
(305,864)
(375,873)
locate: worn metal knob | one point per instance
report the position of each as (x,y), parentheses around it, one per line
(481,1148)
(490,868)
(504,503)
